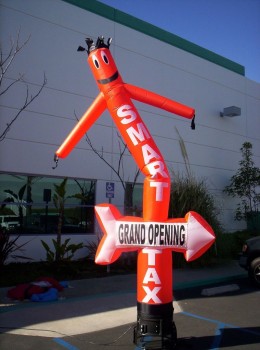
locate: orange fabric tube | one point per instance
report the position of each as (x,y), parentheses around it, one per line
(91,115)
(154,277)
(154,265)
(146,154)
(159,101)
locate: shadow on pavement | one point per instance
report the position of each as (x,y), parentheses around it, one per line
(227,338)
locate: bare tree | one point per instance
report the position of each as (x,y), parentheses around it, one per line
(119,168)
(6,61)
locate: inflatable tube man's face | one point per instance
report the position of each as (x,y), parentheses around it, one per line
(101,62)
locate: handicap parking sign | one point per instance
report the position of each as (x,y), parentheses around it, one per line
(110,189)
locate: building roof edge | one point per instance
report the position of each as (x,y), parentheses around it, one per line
(157,33)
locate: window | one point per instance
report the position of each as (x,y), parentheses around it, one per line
(133,199)
(27,204)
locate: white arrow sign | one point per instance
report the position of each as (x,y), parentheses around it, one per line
(191,235)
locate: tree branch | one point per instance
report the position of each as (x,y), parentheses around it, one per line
(100,155)
(27,102)
(14,50)
(5,64)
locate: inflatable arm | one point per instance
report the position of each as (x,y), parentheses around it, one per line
(153,99)
(86,121)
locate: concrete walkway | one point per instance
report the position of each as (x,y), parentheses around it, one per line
(96,304)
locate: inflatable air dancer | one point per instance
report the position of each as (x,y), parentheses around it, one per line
(153,235)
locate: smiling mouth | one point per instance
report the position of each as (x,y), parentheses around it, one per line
(108,80)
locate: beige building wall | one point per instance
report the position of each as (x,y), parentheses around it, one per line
(147,57)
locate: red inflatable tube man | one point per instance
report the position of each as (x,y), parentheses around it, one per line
(154,272)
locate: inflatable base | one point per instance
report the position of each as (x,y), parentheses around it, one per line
(155,327)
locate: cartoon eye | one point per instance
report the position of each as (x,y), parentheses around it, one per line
(95,61)
(104,57)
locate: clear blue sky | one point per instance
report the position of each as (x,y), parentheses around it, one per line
(230,28)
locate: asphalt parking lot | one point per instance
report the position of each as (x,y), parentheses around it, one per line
(221,316)
(224,316)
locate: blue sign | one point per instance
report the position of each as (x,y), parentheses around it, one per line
(110,189)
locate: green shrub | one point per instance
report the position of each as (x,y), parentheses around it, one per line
(190,194)
(9,246)
(244,185)
(230,244)
(64,250)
